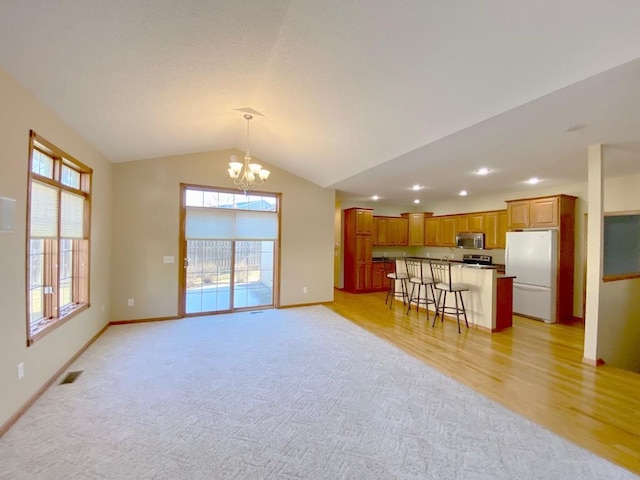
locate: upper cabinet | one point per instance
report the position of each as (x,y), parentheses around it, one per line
(363,221)
(390,231)
(495,229)
(518,214)
(416,227)
(542,212)
(432,231)
(403,231)
(475,222)
(448,231)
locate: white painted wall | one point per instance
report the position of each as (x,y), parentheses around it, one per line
(19,112)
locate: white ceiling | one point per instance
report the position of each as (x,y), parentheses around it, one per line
(368,97)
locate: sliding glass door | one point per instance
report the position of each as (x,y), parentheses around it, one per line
(229,244)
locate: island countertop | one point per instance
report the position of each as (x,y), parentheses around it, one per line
(484,309)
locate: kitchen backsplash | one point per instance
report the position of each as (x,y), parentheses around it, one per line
(451,253)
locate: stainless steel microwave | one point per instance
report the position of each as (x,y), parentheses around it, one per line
(470,240)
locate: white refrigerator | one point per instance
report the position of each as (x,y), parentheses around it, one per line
(531,257)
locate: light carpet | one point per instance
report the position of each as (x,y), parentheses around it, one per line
(281,394)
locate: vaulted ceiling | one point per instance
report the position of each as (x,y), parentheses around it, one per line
(368,97)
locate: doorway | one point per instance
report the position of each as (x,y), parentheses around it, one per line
(229,245)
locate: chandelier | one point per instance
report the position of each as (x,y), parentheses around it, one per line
(248,174)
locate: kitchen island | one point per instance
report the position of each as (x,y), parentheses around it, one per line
(489,301)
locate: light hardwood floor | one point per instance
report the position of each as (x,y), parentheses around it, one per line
(533,368)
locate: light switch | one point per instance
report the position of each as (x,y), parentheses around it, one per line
(168,259)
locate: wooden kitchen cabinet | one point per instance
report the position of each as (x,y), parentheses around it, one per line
(403,231)
(462,223)
(380,282)
(358,249)
(389,231)
(543,212)
(448,231)
(363,220)
(392,231)
(432,231)
(495,229)
(518,214)
(475,222)
(380,229)
(416,227)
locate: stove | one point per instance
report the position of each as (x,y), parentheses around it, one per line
(477,259)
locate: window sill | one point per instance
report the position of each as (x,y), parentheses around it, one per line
(54,323)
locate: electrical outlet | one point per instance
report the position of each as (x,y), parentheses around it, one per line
(305,289)
(20,370)
(104,309)
(130,302)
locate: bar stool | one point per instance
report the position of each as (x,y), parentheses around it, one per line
(441,274)
(393,275)
(418,272)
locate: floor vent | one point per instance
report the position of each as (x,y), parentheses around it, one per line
(255,313)
(71,377)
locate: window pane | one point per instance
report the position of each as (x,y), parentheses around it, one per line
(210,199)
(71,215)
(226,200)
(208,276)
(42,164)
(194,198)
(253,282)
(65,297)
(70,177)
(44,210)
(36,280)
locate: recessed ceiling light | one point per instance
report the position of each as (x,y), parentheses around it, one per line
(416,201)
(416,187)
(533,180)
(463,193)
(483,171)
(375,197)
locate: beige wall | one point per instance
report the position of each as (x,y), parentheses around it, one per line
(146,228)
(19,113)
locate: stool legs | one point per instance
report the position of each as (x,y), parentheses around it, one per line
(391,291)
(427,287)
(459,308)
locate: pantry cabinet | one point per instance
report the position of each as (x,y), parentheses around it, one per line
(358,249)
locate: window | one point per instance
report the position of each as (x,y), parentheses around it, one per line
(621,255)
(59,206)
